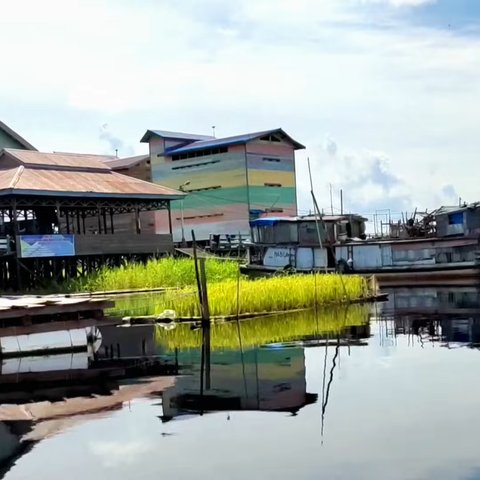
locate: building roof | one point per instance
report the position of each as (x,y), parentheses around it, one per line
(70,174)
(192,137)
(456,208)
(236,140)
(263,221)
(76,161)
(128,162)
(16,136)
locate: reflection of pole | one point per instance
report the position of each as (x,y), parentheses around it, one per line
(202,369)
(329,384)
(206,349)
(201,277)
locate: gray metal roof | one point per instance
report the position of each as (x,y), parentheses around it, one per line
(128,162)
(174,136)
(238,139)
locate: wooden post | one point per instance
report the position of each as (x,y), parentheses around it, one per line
(104,214)
(203,297)
(138,226)
(99,218)
(170,218)
(111,221)
(57,212)
(67,220)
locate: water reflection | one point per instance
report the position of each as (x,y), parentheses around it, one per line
(351,393)
(449,316)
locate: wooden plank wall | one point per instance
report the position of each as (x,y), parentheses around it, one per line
(121,243)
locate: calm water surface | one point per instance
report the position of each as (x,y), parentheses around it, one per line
(393,393)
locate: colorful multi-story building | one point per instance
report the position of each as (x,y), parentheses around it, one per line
(229,181)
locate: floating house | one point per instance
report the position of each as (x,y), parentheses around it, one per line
(443,246)
(229,181)
(66,214)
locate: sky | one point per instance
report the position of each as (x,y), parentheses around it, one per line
(383,93)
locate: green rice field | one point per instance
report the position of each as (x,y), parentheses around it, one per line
(231,296)
(264,330)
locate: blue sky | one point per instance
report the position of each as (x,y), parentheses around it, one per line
(393,84)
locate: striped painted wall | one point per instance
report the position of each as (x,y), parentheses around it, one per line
(224,187)
(271,178)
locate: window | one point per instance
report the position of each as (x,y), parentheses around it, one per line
(270,138)
(455,218)
(208,215)
(199,153)
(273,184)
(203,189)
(192,165)
(270,159)
(274,210)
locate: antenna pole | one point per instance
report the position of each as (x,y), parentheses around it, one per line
(331,199)
(317,215)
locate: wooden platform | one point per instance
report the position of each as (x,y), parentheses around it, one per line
(18,306)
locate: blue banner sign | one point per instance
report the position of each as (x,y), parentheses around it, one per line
(32,246)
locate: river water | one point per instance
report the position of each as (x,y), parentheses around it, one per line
(390,391)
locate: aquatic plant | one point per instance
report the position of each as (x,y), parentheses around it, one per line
(261,295)
(264,330)
(155,273)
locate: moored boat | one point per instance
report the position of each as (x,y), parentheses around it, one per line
(440,247)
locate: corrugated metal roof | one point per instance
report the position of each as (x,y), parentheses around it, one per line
(235,140)
(129,162)
(72,160)
(87,180)
(16,136)
(36,181)
(174,135)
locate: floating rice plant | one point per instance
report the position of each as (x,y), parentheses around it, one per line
(275,294)
(156,273)
(264,330)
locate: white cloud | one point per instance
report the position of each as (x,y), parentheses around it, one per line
(311,67)
(402,3)
(121,453)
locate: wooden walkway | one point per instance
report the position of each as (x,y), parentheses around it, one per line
(16,307)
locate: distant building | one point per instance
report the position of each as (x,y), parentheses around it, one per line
(460,221)
(229,181)
(11,139)
(66,214)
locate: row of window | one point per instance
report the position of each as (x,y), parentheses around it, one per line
(200,153)
(195,165)
(209,215)
(216,187)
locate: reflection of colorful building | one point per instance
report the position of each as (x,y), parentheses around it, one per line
(229,180)
(271,379)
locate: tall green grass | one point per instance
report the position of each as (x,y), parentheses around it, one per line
(262,295)
(156,273)
(264,330)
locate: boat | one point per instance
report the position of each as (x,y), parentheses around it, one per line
(439,247)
